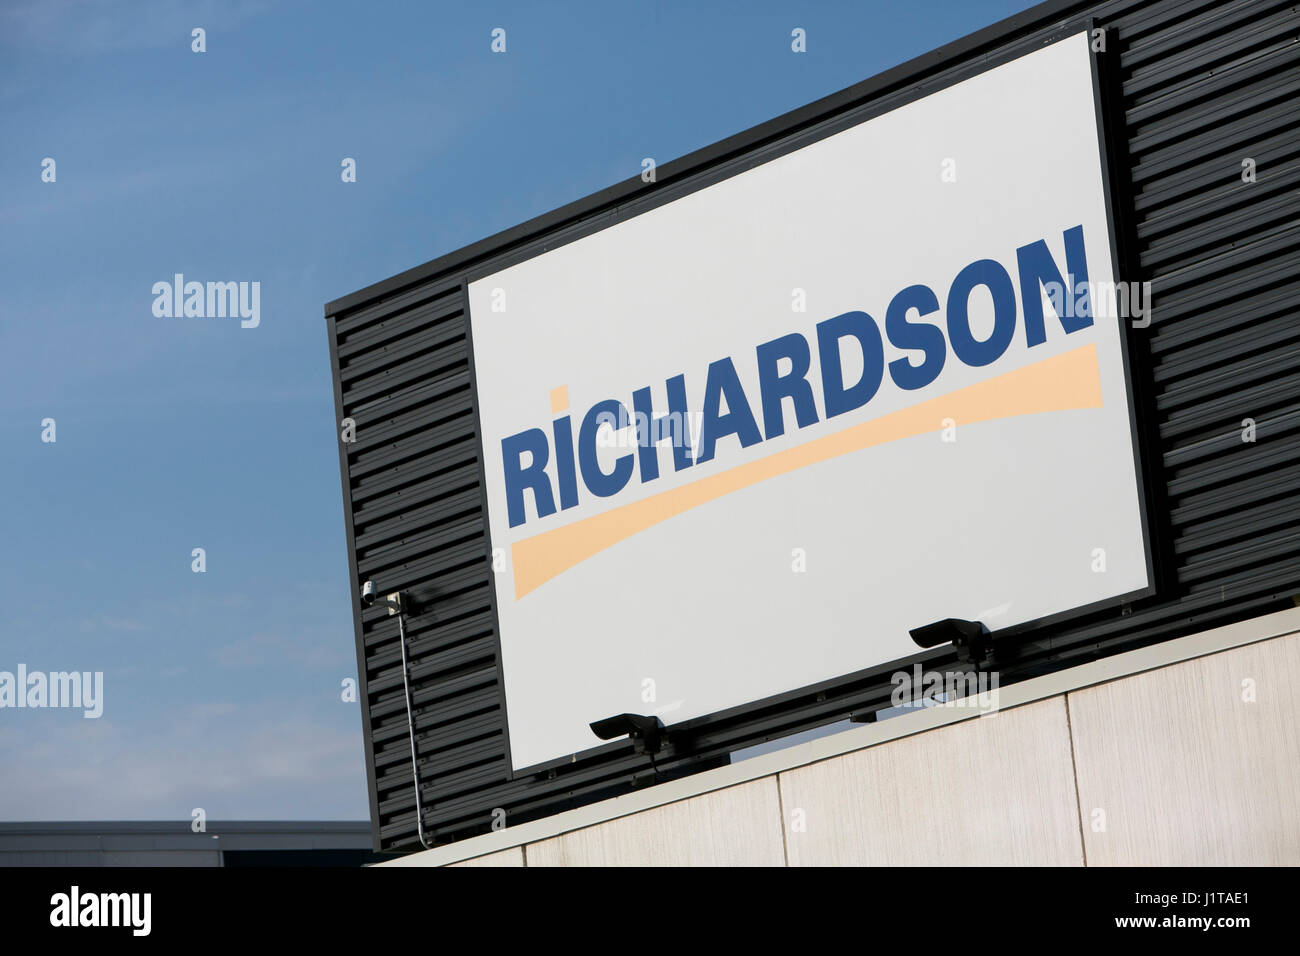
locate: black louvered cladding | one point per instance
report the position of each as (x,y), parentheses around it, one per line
(1205,84)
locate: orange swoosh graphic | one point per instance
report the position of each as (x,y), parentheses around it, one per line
(1071,380)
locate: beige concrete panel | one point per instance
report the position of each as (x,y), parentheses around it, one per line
(511,857)
(994,790)
(1185,770)
(737,826)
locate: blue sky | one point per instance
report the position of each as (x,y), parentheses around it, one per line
(222,689)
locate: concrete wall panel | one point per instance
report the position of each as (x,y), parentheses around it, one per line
(738,826)
(1189,771)
(995,790)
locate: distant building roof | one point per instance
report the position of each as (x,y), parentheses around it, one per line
(174,843)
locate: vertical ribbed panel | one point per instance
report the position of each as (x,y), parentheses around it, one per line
(1205,86)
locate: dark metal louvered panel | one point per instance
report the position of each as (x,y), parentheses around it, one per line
(1203,84)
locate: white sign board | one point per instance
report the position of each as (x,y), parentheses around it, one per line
(743,442)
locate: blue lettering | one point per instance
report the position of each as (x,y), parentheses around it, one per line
(597,482)
(650,430)
(568,478)
(922,335)
(1037,266)
(774,387)
(862,327)
(987,273)
(724,384)
(534,476)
